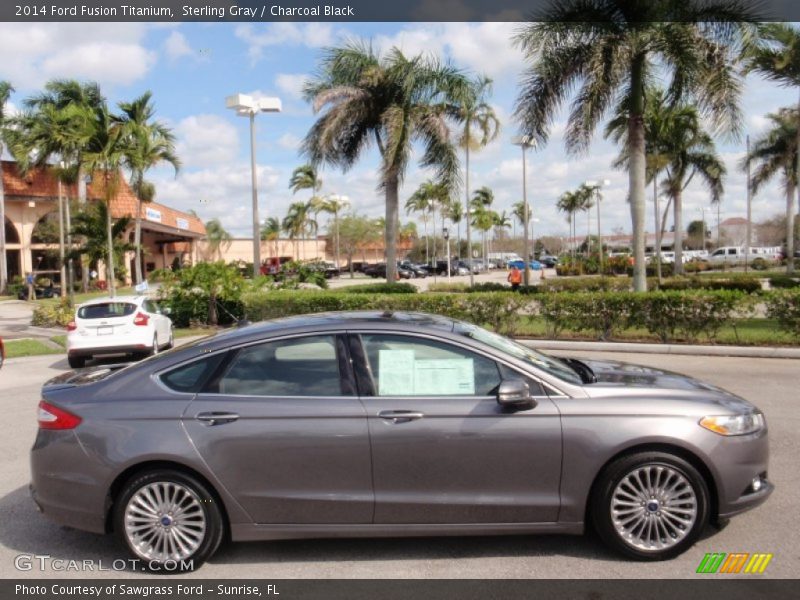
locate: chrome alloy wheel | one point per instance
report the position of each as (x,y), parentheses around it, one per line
(164,521)
(653,507)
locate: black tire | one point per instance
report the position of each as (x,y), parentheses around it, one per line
(171,342)
(154,350)
(601,504)
(215,525)
(76,362)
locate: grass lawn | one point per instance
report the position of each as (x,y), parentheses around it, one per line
(745,332)
(18,348)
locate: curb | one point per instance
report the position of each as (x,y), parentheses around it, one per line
(675,349)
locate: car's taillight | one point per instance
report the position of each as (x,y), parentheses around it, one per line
(72,326)
(140,319)
(52,417)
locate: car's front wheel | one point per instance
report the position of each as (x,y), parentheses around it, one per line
(168,520)
(650,505)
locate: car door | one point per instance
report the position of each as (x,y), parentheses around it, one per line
(282,428)
(443,449)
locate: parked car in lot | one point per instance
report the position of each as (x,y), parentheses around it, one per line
(416,269)
(535,265)
(548,261)
(379,270)
(130,325)
(2,353)
(327,268)
(389,424)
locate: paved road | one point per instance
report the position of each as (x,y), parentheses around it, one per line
(771,383)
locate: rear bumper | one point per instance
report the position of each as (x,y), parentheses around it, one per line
(104,350)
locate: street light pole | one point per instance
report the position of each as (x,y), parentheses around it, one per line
(246,106)
(749,211)
(525,142)
(446,236)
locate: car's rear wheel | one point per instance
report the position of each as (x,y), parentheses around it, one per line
(171,342)
(168,520)
(650,505)
(155,348)
(76,362)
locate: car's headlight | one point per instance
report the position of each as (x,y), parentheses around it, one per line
(734,424)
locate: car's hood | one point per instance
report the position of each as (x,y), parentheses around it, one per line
(614,376)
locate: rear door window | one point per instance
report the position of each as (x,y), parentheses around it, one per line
(191,377)
(106,310)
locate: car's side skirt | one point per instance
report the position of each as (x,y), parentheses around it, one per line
(241,532)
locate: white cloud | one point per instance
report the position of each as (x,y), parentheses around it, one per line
(176,46)
(291,84)
(289,141)
(206,140)
(259,38)
(109,53)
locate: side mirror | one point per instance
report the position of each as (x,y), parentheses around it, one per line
(515,393)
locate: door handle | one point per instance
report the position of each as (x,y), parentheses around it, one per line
(400,416)
(216,418)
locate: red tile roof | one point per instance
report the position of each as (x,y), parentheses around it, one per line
(40,183)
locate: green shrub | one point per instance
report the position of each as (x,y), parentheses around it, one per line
(688,313)
(783,282)
(379,288)
(53,315)
(600,313)
(748,285)
(587,284)
(448,286)
(784,306)
(205,294)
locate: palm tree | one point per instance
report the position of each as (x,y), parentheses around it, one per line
(271,232)
(483,218)
(305,177)
(147,144)
(295,223)
(775,152)
(391,101)
(454,212)
(480,126)
(609,49)
(585,198)
(426,197)
(334,205)
(778,59)
(677,144)
(570,203)
(5,92)
(217,236)
(421,203)
(91,223)
(105,153)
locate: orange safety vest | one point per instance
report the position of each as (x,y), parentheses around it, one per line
(515,276)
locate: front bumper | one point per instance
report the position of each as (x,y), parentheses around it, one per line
(747,501)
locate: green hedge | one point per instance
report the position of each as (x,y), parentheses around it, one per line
(379,288)
(669,315)
(53,315)
(748,285)
(784,306)
(784,282)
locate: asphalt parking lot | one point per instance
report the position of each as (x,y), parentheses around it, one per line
(771,383)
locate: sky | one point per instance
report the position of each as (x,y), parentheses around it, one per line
(191,67)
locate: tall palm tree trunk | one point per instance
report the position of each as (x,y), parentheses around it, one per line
(427,241)
(637,172)
(137,241)
(392,217)
(112,288)
(678,221)
(466,200)
(790,227)
(82,201)
(659,233)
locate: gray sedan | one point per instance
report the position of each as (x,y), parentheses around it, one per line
(389,424)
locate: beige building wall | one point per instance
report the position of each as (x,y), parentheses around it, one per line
(241,249)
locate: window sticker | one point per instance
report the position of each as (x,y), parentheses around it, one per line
(400,373)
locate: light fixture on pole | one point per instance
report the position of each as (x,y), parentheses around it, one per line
(247,106)
(446,236)
(596,186)
(525,142)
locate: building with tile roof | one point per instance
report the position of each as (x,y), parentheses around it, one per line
(32,201)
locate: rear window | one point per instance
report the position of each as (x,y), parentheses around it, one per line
(106,310)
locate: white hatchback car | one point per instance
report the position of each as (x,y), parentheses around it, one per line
(133,325)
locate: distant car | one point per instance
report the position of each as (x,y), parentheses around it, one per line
(379,270)
(2,353)
(131,325)
(534,265)
(548,261)
(327,268)
(418,270)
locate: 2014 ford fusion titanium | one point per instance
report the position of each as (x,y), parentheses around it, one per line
(389,424)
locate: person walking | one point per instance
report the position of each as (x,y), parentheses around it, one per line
(515,278)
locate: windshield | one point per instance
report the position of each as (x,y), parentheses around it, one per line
(552,365)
